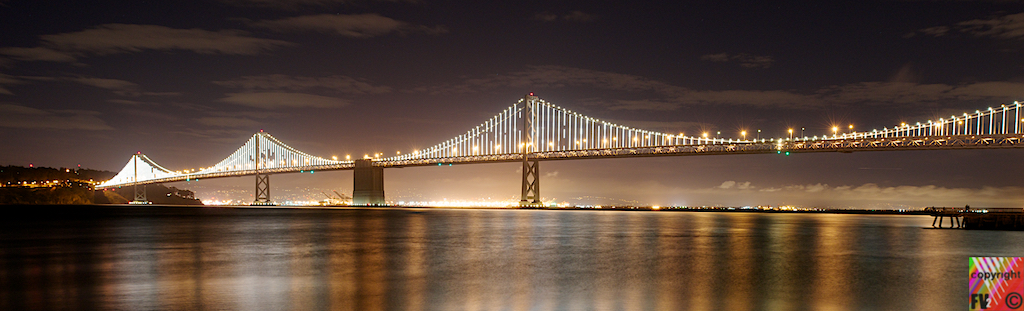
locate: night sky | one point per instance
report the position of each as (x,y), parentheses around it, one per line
(187,82)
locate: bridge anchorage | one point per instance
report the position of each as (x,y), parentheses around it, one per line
(533,130)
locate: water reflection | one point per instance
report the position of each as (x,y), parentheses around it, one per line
(433,259)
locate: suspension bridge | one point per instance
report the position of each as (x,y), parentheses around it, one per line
(533,130)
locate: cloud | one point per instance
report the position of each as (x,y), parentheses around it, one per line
(641,104)
(662,126)
(15,116)
(37,54)
(743,59)
(228,122)
(545,16)
(905,74)
(126,38)
(577,16)
(110,84)
(574,16)
(353,26)
(669,97)
(883,93)
(718,58)
(769,98)
(126,102)
(1002,27)
(1006,27)
(663,96)
(556,76)
(119,87)
(214,135)
(742,193)
(274,100)
(984,90)
(873,195)
(342,84)
(936,31)
(730,184)
(869,195)
(7,79)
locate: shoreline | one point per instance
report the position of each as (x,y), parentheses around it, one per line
(606,208)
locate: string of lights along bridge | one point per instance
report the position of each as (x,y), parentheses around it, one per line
(534,130)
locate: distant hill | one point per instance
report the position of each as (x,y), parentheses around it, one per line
(47,185)
(158,194)
(13,175)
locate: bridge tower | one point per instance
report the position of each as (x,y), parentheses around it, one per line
(140,195)
(262,180)
(367,183)
(531,167)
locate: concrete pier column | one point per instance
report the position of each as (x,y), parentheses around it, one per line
(367,183)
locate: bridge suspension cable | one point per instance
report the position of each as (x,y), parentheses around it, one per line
(1005,119)
(270,154)
(554,129)
(139,168)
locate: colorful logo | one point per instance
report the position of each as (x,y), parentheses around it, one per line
(996,284)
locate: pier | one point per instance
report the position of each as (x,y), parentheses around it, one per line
(977,218)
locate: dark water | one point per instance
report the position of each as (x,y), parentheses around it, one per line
(438,259)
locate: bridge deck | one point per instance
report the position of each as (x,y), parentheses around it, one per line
(999,141)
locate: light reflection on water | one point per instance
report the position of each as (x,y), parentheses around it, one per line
(437,259)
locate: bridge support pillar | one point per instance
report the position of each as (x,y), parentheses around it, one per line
(531,168)
(262,180)
(140,196)
(531,184)
(367,183)
(262,190)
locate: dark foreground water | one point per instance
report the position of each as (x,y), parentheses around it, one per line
(441,259)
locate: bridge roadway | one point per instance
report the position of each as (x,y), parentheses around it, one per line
(997,141)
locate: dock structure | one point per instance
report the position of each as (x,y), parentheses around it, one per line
(978,218)
(953,213)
